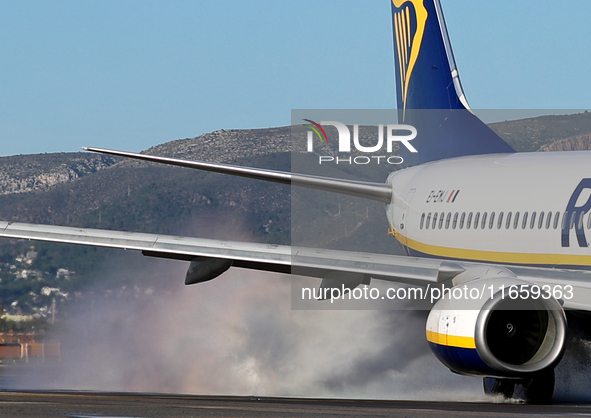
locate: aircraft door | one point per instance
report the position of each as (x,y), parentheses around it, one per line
(403,227)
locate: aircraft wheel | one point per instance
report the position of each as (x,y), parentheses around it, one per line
(493,386)
(539,388)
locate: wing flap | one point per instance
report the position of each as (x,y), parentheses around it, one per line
(385,267)
(571,287)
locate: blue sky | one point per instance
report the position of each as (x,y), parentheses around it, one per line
(133,74)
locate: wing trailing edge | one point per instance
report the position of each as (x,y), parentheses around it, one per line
(380,192)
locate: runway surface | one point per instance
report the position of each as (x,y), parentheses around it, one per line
(111,405)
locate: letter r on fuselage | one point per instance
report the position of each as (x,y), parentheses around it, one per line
(573,213)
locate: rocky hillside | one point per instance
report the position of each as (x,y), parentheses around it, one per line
(574,143)
(533,134)
(27,173)
(228,145)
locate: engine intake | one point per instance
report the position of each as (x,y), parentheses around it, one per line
(498,336)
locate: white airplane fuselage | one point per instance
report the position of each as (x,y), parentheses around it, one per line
(521,208)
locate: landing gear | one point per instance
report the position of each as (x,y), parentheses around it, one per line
(536,389)
(493,386)
(539,388)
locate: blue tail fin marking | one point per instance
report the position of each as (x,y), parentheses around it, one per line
(429,92)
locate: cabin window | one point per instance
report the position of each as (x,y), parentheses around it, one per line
(441,220)
(447,220)
(455,221)
(541,221)
(580,221)
(422,220)
(476,220)
(508,223)
(556,218)
(532,223)
(524,222)
(428,221)
(483,221)
(469,221)
(564,220)
(516,221)
(434,220)
(492,221)
(589,222)
(500,223)
(462,219)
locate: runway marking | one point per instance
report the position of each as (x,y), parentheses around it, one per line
(26,403)
(98,416)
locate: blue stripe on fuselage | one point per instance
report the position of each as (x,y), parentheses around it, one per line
(460,360)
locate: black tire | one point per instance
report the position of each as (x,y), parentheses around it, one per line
(539,388)
(493,386)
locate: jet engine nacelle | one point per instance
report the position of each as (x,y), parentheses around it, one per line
(512,330)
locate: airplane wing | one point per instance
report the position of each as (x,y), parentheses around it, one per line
(311,262)
(268,257)
(209,258)
(379,192)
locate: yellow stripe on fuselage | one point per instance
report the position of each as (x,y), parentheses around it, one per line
(496,256)
(450,340)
